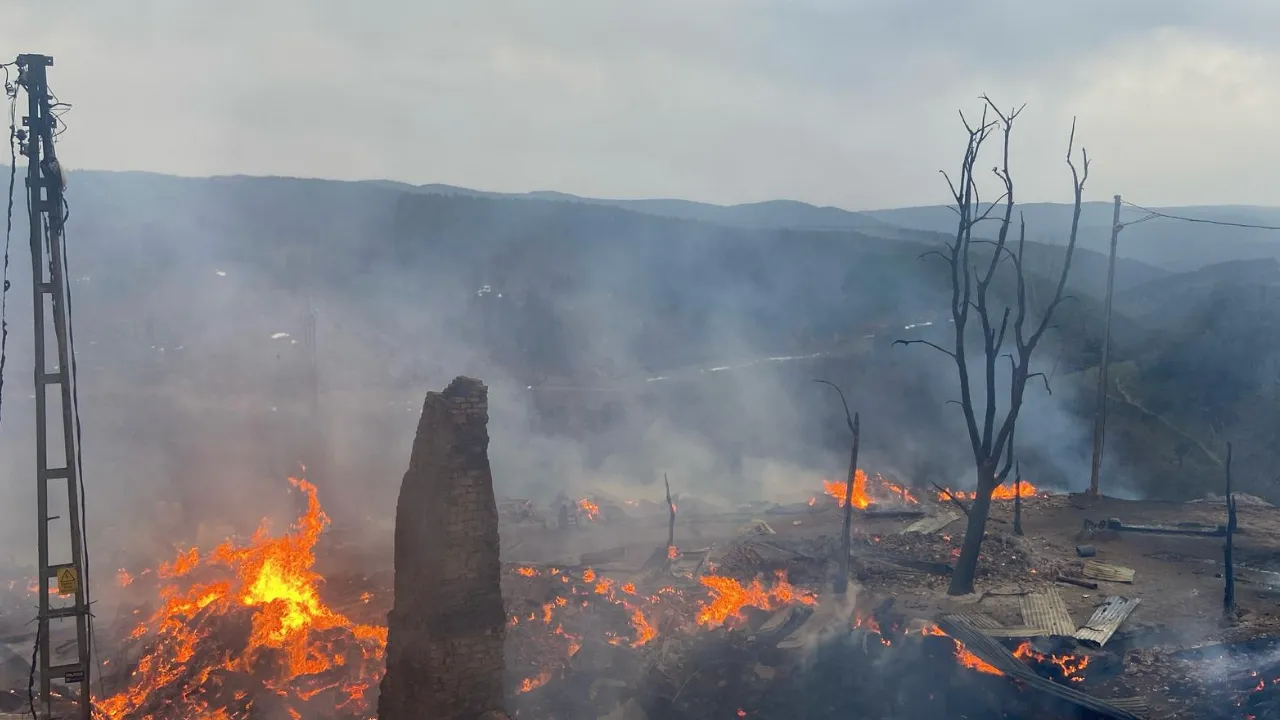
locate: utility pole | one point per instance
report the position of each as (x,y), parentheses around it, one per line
(1100,410)
(46,215)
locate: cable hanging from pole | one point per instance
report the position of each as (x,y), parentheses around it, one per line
(1153,214)
(11,92)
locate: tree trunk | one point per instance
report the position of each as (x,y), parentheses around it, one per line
(967,564)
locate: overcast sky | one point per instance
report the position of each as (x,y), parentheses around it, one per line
(844,102)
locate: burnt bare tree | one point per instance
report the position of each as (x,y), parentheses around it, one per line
(990,426)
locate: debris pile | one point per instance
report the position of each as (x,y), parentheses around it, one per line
(243,629)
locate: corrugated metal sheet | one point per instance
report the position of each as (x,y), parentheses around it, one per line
(932,524)
(1106,620)
(1095,570)
(1135,705)
(1019,631)
(999,656)
(987,625)
(1046,610)
(976,620)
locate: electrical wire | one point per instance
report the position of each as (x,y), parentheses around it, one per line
(79,459)
(31,679)
(12,92)
(74,381)
(1152,214)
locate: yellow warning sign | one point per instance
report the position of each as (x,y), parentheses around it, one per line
(68,581)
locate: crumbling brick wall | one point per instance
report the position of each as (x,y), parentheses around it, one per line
(445,631)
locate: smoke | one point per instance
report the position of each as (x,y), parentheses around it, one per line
(618,348)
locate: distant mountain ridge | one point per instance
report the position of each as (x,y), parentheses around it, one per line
(1173,245)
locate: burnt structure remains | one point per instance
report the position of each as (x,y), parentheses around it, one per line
(446,629)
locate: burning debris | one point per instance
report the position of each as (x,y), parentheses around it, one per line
(865,492)
(869,490)
(242,629)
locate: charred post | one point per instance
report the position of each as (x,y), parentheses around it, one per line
(671,519)
(1228,562)
(841,584)
(447,626)
(1017,499)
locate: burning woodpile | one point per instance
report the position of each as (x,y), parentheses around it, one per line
(241,631)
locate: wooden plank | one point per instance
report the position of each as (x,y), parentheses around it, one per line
(1046,610)
(933,524)
(1095,570)
(1106,620)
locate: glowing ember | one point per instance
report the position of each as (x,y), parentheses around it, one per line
(1006,491)
(672,552)
(863,493)
(296,646)
(729,597)
(588,508)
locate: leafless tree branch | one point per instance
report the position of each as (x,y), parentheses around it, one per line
(847,415)
(939,348)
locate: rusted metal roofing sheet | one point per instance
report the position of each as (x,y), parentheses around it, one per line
(1095,570)
(990,650)
(932,524)
(1106,620)
(1045,609)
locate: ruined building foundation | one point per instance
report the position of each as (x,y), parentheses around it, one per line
(446,628)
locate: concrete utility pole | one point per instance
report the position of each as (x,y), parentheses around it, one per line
(46,214)
(1100,417)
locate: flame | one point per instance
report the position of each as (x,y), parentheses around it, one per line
(973,662)
(644,631)
(534,683)
(297,647)
(1072,666)
(590,509)
(123,578)
(1006,491)
(729,597)
(672,552)
(862,497)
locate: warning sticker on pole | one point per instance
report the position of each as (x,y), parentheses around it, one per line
(68,581)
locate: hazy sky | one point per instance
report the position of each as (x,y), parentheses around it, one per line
(845,102)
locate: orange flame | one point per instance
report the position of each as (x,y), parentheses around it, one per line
(1006,491)
(973,662)
(591,509)
(862,496)
(293,636)
(729,597)
(1072,666)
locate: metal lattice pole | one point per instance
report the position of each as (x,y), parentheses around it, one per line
(46,215)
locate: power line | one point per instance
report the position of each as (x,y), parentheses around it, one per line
(1152,214)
